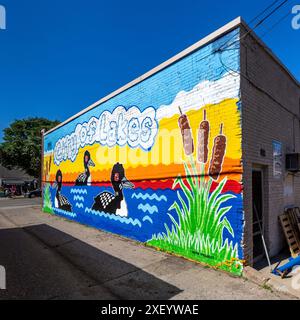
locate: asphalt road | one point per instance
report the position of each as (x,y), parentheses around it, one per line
(19,202)
(47,257)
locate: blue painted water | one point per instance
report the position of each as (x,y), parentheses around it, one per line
(147,212)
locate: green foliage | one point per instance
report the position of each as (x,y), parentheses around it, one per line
(198,243)
(203,211)
(197,248)
(21,147)
(198,234)
(47,207)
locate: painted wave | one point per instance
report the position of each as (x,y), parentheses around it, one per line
(135,222)
(79,191)
(143,230)
(79,205)
(145,196)
(147,208)
(78,198)
(147,218)
(66,213)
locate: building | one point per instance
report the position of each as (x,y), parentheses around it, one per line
(270,98)
(188,157)
(16,178)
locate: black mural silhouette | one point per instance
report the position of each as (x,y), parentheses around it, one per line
(114,203)
(85,177)
(61,202)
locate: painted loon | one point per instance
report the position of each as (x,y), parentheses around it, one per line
(60,202)
(114,204)
(85,179)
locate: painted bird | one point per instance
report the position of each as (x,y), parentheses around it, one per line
(60,202)
(114,203)
(85,179)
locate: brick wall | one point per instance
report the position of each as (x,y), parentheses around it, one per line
(153,159)
(270,111)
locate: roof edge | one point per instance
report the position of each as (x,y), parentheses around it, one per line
(209,38)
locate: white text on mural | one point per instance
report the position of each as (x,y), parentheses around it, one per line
(121,127)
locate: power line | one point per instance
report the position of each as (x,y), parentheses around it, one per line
(225,46)
(252,20)
(271,13)
(268,31)
(275,24)
(256,25)
(265,10)
(239,73)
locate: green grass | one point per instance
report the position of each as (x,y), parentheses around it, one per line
(198,234)
(195,248)
(267,287)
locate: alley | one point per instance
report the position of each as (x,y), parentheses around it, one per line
(48,257)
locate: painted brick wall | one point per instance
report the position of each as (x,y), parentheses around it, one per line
(177,201)
(263,121)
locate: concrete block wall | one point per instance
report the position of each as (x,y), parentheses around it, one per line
(270,111)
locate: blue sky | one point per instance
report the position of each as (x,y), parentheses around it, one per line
(58,57)
(161,88)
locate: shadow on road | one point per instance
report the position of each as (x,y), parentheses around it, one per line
(44,263)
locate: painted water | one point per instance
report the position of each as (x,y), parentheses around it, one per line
(147,212)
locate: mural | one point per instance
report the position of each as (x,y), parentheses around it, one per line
(159,162)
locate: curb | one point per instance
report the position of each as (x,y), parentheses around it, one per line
(254,276)
(278,286)
(258,278)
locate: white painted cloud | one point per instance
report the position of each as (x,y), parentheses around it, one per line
(205,92)
(120,127)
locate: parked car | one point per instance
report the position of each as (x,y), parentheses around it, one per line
(33,193)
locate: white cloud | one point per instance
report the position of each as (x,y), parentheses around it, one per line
(205,92)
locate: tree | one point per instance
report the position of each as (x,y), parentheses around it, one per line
(21,146)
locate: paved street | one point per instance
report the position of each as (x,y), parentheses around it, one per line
(47,257)
(18,202)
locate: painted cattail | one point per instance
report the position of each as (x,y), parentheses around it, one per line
(217,155)
(45,171)
(50,163)
(186,132)
(203,135)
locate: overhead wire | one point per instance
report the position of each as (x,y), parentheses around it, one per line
(260,22)
(239,73)
(256,17)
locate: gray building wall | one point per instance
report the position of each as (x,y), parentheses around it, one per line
(270,111)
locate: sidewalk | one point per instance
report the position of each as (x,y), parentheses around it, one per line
(289,284)
(52,258)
